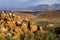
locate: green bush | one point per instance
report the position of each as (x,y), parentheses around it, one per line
(2,38)
(8,37)
(29,36)
(44,36)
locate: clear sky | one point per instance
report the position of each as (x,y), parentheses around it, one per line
(25,3)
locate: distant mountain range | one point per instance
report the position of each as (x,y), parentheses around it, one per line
(44,7)
(40,7)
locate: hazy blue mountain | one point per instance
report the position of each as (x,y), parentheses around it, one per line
(56,6)
(43,7)
(40,7)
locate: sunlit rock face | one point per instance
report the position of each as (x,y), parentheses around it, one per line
(8,24)
(33,26)
(13,25)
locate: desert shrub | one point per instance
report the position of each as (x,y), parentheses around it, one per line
(22,37)
(8,37)
(59,37)
(44,36)
(1,38)
(29,35)
(50,29)
(37,36)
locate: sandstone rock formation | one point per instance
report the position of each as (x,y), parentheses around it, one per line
(13,25)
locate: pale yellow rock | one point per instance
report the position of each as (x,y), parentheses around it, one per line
(2,11)
(33,26)
(3,29)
